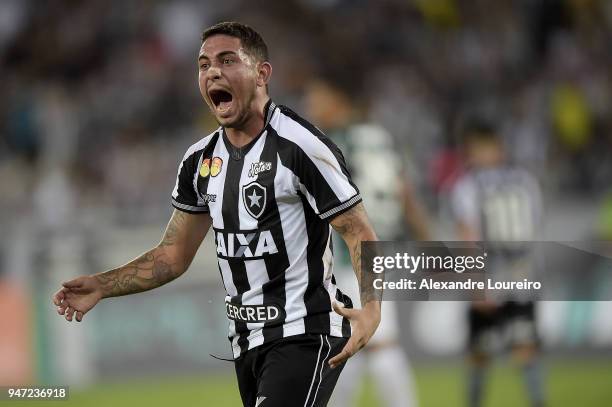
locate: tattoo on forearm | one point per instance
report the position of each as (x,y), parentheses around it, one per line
(148,271)
(355,252)
(354,227)
(174,226)
(151,270)
(351,222)
(162,272)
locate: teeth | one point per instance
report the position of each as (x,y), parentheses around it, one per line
(219,100)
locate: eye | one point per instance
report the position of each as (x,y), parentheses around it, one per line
(204,66)
(227,61)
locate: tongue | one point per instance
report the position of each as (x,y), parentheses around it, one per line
(224,105)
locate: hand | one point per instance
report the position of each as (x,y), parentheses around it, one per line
(77,296)
(363,325)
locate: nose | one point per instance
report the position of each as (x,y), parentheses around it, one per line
(213,72)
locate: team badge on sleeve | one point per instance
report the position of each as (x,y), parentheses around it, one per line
(254,198)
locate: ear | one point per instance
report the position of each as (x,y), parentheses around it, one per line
(264,72)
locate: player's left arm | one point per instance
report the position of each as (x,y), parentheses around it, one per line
(354,227)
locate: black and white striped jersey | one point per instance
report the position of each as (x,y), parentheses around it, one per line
(271,202)
(502,204)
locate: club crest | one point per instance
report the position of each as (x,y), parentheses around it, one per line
(254,198)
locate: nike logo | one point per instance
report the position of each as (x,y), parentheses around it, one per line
(259,401)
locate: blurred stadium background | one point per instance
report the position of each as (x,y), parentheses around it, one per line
(100,100)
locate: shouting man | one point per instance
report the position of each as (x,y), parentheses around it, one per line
(270,184)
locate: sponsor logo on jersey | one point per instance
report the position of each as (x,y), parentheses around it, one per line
(209,198)
(245,245)
(254,313)
(261,166)
(254,199)
(205,168)
(215,166)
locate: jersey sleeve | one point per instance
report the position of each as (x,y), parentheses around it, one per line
(324,179)
(464,202)
(184,195)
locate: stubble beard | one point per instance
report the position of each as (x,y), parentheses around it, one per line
(243,118)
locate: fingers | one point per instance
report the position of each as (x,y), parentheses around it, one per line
(65,297)
(58,297)
(351,346)
(349,350)
(69,314)
(62,308)
(339,359)
(62,300)
(345,312)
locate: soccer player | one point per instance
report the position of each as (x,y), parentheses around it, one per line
(497,202)
(270,185)
(384,186)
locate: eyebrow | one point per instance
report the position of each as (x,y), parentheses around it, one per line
(219,55)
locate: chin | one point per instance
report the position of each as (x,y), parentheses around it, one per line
(226,121)
(235,121)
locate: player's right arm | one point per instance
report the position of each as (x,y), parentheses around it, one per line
(158,266)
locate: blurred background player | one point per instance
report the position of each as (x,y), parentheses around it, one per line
(372,158)
(497,202)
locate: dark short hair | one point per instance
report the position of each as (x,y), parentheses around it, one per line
(250,39)
(478,129)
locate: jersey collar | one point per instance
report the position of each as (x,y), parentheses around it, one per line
(238,153)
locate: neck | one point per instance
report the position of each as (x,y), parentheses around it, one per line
(241,136)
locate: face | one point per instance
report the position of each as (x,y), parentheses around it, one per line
(229,80)
(320,103)
(325,105)
(484,153)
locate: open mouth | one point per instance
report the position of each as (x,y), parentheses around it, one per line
(221,99)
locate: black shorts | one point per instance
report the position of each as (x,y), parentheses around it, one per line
(511,324)
(291,371)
